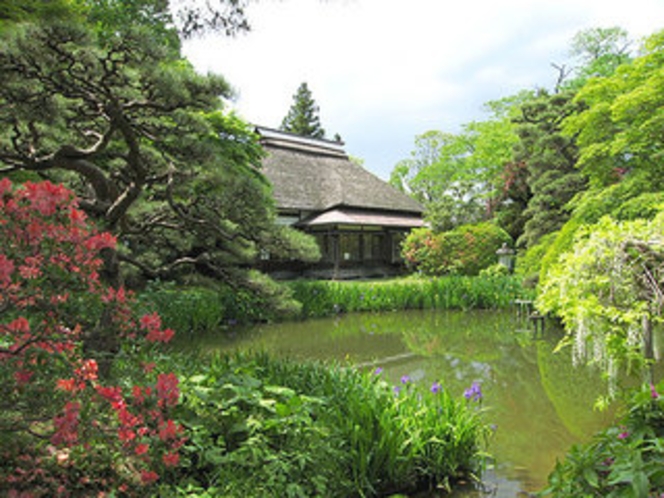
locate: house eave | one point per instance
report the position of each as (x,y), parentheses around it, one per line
(359,218)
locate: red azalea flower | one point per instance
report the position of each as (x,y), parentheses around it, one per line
(171,459)
(148,477)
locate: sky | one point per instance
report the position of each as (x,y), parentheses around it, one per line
(384,71)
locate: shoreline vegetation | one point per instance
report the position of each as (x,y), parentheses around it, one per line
(261,426)
(192,310)
(635,437)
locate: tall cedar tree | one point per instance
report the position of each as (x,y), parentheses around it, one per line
(550,158)
(302,118)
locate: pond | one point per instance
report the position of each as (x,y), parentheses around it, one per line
(537,401)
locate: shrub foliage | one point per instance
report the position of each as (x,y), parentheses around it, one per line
(625,460)
(464,250)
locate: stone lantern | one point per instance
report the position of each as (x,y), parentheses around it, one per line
(506,257)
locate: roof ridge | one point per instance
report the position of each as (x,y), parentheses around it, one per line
(294,141)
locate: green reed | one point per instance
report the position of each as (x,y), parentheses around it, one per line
(325,298)
(191,310)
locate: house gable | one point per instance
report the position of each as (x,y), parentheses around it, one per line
(358,219)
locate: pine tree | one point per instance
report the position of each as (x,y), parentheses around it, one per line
(550,157)
(302,118)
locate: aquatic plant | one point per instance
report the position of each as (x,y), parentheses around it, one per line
(474,392)
(326,298)
(261,426)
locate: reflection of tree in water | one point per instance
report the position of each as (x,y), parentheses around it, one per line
(530,394)
(573,391)
(532,429)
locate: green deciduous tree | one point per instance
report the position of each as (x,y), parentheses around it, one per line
(456,175)
(302,118)
(599,52)
(619,146)
(620,131)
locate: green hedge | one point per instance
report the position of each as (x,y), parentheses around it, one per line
(190,310)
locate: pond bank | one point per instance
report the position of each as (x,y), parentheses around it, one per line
(202,310)
(539,404)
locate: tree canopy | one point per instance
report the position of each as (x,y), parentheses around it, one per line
(302,118)
(620,131)
(145,142)
(455,175)
(599,52)
(187,18)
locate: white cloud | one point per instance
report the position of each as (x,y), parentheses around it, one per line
(383,71)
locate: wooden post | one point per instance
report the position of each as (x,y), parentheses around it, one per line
(648,350)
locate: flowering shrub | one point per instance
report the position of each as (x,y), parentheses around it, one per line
(465,250)
(66,429)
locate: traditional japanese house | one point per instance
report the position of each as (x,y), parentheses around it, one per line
(358,220)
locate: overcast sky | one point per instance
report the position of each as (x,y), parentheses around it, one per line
(384,71)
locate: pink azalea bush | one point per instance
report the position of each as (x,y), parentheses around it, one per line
(65,429)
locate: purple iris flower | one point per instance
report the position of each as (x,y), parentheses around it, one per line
(436,387)
(474,392)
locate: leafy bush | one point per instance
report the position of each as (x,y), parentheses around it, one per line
(624,460)
(495,270)
(266,427)
(464,250)
(192,310)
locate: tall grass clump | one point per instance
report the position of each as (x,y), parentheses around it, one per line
(260,426)
(325,298)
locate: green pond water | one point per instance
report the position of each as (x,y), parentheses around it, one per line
(538,402)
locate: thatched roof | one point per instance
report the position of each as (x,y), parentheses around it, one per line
(317,175)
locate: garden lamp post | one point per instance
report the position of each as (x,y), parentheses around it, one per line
(506,257)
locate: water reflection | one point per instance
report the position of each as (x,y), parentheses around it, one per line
(539,403)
